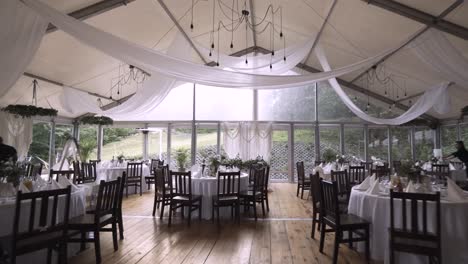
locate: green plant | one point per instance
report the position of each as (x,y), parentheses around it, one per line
(29,110)
(329,155)
(181,156)
(86,148)
(11,171)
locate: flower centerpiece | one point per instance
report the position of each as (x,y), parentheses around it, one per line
(121,158)
(11,172)
(181,156)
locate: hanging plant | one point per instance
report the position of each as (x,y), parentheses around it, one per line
(97,120)
(464,112)
(29,110)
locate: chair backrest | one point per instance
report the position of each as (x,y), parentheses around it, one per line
(259,179)
(134,170)
(108,198)
(300,171)
(267,177)
(342,180)
(228,184)
(87,174)
(357,174)
(160,180)
(181,183)
(156,163)
(48,213)
(315,189)
(367,165)
(396,165)
(381,171)
(444,168)
(317,163)
(33,170)
(329,201)
(417,218)
(95,161)
(55,173)
(122,188)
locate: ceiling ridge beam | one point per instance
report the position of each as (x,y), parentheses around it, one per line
(93,10)
(412,38)
(252,17)
(422,17)
(181,30)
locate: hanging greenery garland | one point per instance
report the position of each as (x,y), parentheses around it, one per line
(97,120)
(29,110)
(464,112)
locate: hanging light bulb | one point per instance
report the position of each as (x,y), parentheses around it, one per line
(191,26)
(284,58)
(217,63)
(232,45)
(246,61)
(271,66)
(272,53)
(210,53)
(385,92)
(355,98)
(212,45)
(281,34)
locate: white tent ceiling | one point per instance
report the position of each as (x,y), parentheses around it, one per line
(355,30)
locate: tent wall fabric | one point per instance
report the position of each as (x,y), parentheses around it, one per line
(17,132)
(248,140)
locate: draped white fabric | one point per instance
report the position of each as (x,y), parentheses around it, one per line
(17,132)
(435,97)
(247,139)
(145,100)
(260,64)
(156,62)
(435,49)
(21,31)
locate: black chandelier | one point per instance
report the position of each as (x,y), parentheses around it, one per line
(127,77)
(240,20)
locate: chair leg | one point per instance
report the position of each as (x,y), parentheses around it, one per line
(82,243)
(212,211)
(162,209)
(190,214)
(350,236)
(322,236)
(336,246)
(141,189)
(114,235)
(170,214)
(302,192)
(238,212)
(266,199)
(155,203)
(200,211)
(49,255)
(368,245)
(62,256)
(297,192)
(126,191)
(314,222)
(120,222)
(263,206)
(97,246)
(217,214)
(255,209)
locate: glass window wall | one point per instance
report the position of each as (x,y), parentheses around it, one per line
(354,142)
(423,143)
(304,148)
(378,143)
(118,141)
(448,136)
(401,143)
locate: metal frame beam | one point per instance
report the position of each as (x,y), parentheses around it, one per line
(252,17)
(171,16)
(93,10)
(422,17)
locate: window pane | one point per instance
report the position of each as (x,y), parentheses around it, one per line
(157,143)
(122,141)
(293,104)
(40,141)
(181,140)
(423,143)
(62,134)
(88,142)
(329,139)
(354,142)
(304,148)
(279,155)
(378,143)
(227,104)
(207,143)
(464,133)
(448,138)
(401,143)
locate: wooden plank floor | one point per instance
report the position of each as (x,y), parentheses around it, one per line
(282,237)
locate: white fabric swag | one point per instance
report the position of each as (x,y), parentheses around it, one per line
(21,33)
(435,49)
(155,62)
(435,97)
(16,132)
(247,139)
(142,104)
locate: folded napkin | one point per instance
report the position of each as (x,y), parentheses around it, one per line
(23,188)
(364,184)
(319,170)
(451,167)
(454,192)
(410,188)
(54,185)
(374,189)
(65,182)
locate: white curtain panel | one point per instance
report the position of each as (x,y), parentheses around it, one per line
(16,132)
(435,49)
(435,97)
(21,31)
(247,139)
(156,62)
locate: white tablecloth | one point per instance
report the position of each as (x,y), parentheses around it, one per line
(207,187)
(109,174)
(376,209)
(7,211)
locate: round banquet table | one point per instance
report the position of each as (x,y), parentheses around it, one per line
(207,188)
(376,209)
(7,210)
(112,173)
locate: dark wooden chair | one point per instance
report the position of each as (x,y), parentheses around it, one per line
(228,188)
(344,186)
(120,209)
(396,165)
(255,195)
(155,163)
(87,173)
(380,172)
(315,190)
(302,182)
(357,174)
(441,168)
(134,175)
(367,165)
(415,238)
(105,213)
(265,187)
(182,196)
(43,230)
(339,223)
(54,174)
(33,170)
(162,193)
(95,162)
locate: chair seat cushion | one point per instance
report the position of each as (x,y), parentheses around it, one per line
(87,219)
